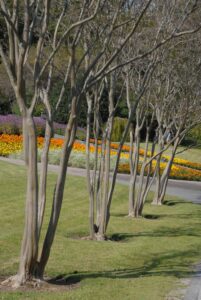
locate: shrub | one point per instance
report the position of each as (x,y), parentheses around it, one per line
(12,124)
(194,136)
(118,129)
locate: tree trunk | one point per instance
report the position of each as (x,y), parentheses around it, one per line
(88,175)
(105,203)
(29,248)
(105,186)
(59,188)
(166,172)
(156,200)
(43,176)
(133,177)
(142,186)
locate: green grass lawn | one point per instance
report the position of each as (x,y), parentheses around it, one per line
(147,260)
(191,154)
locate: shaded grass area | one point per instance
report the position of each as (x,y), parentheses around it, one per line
(143,260)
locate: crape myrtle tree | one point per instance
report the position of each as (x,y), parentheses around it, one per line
(143,117)
(185,114)
(35,46)
(171,25)
(166,19)
(16,59)
(174,101)
(98,181)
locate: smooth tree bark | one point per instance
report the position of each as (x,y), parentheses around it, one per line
(69,24)
(32,264)
(178,114)
(93,175)
(145,173)
(134,163)
(16,60)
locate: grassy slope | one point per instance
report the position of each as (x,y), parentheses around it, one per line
(145,264)
(193,154)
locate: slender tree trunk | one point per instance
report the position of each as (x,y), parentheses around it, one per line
(131,164)
(59,188)
(88,175)
(149,179)
(96,182)
(156,200)
(166,172)
(142,182)
(105,205)
(43,176)
(133,167)
(29,248)
(105,185)
(158,183)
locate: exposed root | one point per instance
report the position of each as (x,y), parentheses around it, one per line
(131,215)
(156,203)
(12,281)
(100,237)
(17,281)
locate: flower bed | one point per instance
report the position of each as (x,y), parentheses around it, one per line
(177,172)
(177,161)
(10,144)
(185,163)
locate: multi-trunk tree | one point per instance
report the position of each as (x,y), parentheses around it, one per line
(35,46)
(81,41)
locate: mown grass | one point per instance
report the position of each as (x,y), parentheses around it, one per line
(145,259)
(191,154)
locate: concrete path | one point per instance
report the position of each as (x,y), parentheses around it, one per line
(187,190)
(193,291)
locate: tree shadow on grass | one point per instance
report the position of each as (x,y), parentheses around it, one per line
(163,231)
(174,263)
(174,202)
(153,216)
(113,214)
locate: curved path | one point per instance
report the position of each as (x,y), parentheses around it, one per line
(187,190)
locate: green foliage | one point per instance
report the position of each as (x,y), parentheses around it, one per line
(195,134)
(5,106)
(118,128)
(15,109)
(122,109)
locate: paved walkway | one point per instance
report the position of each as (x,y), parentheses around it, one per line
(187,190)
(193,291)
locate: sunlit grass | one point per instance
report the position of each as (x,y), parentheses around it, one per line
(191,154)
(145,259)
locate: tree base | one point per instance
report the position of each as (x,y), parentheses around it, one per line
(154,202)
(57,284)
(131,215)
(17,281)
(100,237)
